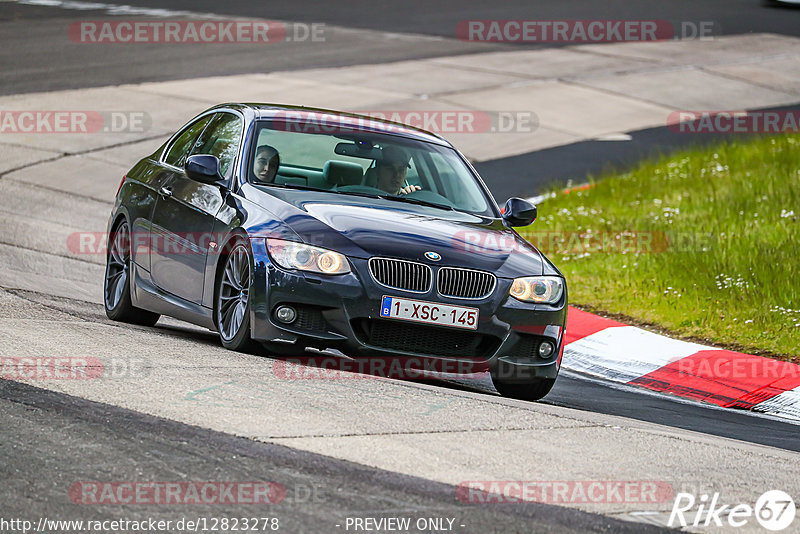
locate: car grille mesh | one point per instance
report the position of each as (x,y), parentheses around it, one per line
(311,319)
(399,274)
(426,340)
(464,283)
(527,346)
(451,282)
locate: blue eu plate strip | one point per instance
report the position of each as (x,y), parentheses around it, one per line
(386,306)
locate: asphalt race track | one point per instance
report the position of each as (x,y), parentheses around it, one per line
(358,448)
(36,59)
(133,445)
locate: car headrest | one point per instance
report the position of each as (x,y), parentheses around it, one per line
(342,173)
(371,177)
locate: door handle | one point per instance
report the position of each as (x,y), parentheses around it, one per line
(166,191)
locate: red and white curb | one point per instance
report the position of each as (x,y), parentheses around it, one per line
(605,348)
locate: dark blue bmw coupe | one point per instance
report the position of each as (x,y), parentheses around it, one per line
(295,227)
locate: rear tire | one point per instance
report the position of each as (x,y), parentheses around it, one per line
(529,391)
(117,283)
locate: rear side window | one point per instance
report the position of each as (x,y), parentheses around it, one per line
(180,148)
(221,139)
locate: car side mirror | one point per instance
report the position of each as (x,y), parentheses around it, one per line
(519,212)
(204,168)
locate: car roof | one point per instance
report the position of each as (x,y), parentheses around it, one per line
(343,118)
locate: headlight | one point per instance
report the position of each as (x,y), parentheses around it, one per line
(539,289)
(291,255)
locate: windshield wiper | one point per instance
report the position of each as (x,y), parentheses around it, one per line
(297,186)
(360,194)
(416,201)
(312,188)
(356,193)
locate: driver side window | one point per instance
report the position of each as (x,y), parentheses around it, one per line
(180,148)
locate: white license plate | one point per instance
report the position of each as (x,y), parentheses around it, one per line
(429,312)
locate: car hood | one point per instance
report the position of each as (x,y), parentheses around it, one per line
(366,227)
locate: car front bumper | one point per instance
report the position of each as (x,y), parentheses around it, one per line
(343,312)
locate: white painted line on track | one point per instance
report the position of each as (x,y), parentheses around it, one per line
(786,405)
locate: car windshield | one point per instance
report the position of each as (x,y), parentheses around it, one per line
(364,163)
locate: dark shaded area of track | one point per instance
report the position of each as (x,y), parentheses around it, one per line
(442,17)
(50,441)
(38,55)
(600,398)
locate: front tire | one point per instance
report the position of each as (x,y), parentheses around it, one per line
(529,391)
(117,284)
(233,299)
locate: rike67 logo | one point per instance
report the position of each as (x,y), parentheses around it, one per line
(774,510)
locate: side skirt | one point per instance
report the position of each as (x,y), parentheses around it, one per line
(147,296)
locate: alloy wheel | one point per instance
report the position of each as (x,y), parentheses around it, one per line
(233,293)
(119,257)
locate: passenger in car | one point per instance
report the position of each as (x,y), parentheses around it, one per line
(391,170)
(266,164)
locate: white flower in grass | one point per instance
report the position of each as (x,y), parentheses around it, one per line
(728,282)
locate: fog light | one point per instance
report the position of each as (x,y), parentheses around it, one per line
(286,314)
(546,349)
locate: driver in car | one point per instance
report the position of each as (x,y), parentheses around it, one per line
(391,171)
(265,166)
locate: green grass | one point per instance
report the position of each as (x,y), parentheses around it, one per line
(712,250)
